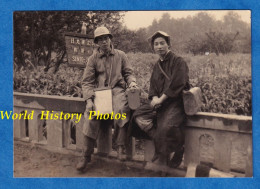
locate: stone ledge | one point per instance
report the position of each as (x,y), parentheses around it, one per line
(49,102)
(227,116)
(225,122)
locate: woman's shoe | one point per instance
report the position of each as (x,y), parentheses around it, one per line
(155,157)
(176,160)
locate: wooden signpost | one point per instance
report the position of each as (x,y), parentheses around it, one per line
(79,47)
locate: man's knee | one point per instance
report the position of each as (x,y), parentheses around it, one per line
(89,144)
(121,135)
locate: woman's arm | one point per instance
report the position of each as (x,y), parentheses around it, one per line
(153,88)
(163,98)
(179,78)
(158,101)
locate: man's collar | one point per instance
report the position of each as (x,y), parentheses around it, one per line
(101,53)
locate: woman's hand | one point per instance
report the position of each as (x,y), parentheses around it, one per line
(158,101)
(155,101)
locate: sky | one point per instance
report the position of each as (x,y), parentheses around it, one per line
(136,19)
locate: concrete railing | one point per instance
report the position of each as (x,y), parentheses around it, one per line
(220,140)
(60,132)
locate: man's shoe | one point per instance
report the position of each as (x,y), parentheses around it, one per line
(83,163)
(120,155)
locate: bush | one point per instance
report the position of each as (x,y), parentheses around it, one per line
(225,80)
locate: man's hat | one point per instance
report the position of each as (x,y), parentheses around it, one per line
(101,31)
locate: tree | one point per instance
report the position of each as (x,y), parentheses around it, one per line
(41,33)
(142,42)
(202,33)
(220,42)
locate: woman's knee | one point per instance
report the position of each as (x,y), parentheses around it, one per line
(175,134)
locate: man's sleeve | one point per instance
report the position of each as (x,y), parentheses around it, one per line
(88,80)
(127,70)
(179,79)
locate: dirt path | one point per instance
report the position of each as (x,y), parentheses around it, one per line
(32,161)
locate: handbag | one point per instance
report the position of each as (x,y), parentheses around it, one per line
(103,101)
(192,100)
(192,97)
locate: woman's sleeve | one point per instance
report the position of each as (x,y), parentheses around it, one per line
(152,89)
(179,78)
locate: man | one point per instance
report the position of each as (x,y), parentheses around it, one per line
(107,67)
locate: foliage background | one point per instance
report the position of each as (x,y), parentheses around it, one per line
(225,80)
(217,52)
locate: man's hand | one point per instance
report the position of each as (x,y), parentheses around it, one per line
(133,85)
(89,106)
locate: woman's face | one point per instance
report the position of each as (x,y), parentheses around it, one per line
(160,46)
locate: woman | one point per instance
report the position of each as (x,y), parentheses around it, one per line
(169,78)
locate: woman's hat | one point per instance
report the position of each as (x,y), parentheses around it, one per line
(160,34)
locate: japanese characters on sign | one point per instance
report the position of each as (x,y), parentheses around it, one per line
(79,47)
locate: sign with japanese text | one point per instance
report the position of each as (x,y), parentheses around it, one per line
(79,47)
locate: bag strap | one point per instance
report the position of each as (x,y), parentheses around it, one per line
(188,86)
(163,72)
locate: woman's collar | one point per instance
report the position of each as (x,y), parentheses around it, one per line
(165,56)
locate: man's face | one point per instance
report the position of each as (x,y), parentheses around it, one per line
(104,42)
(160,46)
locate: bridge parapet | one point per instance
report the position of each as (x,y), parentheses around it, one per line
(219,140)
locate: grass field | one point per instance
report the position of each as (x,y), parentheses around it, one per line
(225,80)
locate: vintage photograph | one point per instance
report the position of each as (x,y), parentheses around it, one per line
(132,94)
